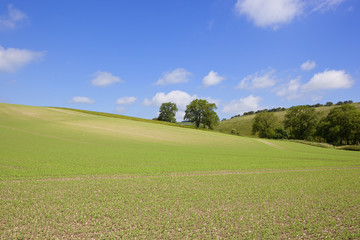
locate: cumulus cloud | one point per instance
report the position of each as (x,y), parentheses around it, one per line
(261,79)
(212,100)
(182,99)
(328,80)
(12,18)
(308,65)
(126,100)
(274,13)
(103,79)
(179,75)
(291,90)
(179,97)
(85,100)
(242,105)
(12,59)
(212,78)
(266,13)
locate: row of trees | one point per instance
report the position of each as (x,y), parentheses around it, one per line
(199,111)
(279,109)
(340,126)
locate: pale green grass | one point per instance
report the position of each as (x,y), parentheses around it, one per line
(65,174)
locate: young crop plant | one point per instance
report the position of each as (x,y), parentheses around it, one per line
(67,174)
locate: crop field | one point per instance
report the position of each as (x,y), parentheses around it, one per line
(73,175)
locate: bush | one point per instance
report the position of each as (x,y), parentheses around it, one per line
(281,133)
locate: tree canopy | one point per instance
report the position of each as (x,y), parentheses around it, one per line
(341,125)
(167,112)
(265,123)
(199,111)
(301,121)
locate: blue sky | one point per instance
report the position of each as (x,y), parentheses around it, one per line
(129,56)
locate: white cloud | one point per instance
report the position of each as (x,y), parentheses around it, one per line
(212,100)
(179,75)
(12,59)
(103,79)
(308,65)
(291,90)
(126,100)
(258,80)
(274,13)
(120,109)
(212,78)
(329,79)
(323,5)
(182,99)
(82,100)
(266,13)
(242,105)
(13,17)
(316,98)
(179,97)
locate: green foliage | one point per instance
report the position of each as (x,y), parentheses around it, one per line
(199,111)
(328,104)
(243,124)
(341,125)
(301,122)
(281,133)
(167,112)
(265,124)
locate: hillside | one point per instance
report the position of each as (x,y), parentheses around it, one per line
(243,124)
(68,174)
(61,140)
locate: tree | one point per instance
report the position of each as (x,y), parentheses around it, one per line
(281,133)
(328,104)
(301,122)
(167,112)
(265,123)
(341,125)
(339,103)
(199,111)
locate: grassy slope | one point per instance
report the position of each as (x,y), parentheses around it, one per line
(186,125)
(243,124)
(66,174)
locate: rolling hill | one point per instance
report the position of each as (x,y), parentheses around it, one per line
(243,124)
(69,174)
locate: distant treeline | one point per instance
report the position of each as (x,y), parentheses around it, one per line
(279,109)
(341,126)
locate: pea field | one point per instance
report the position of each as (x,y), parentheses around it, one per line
(71,175)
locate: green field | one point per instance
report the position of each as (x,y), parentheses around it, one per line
(67,174)
(243,124)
